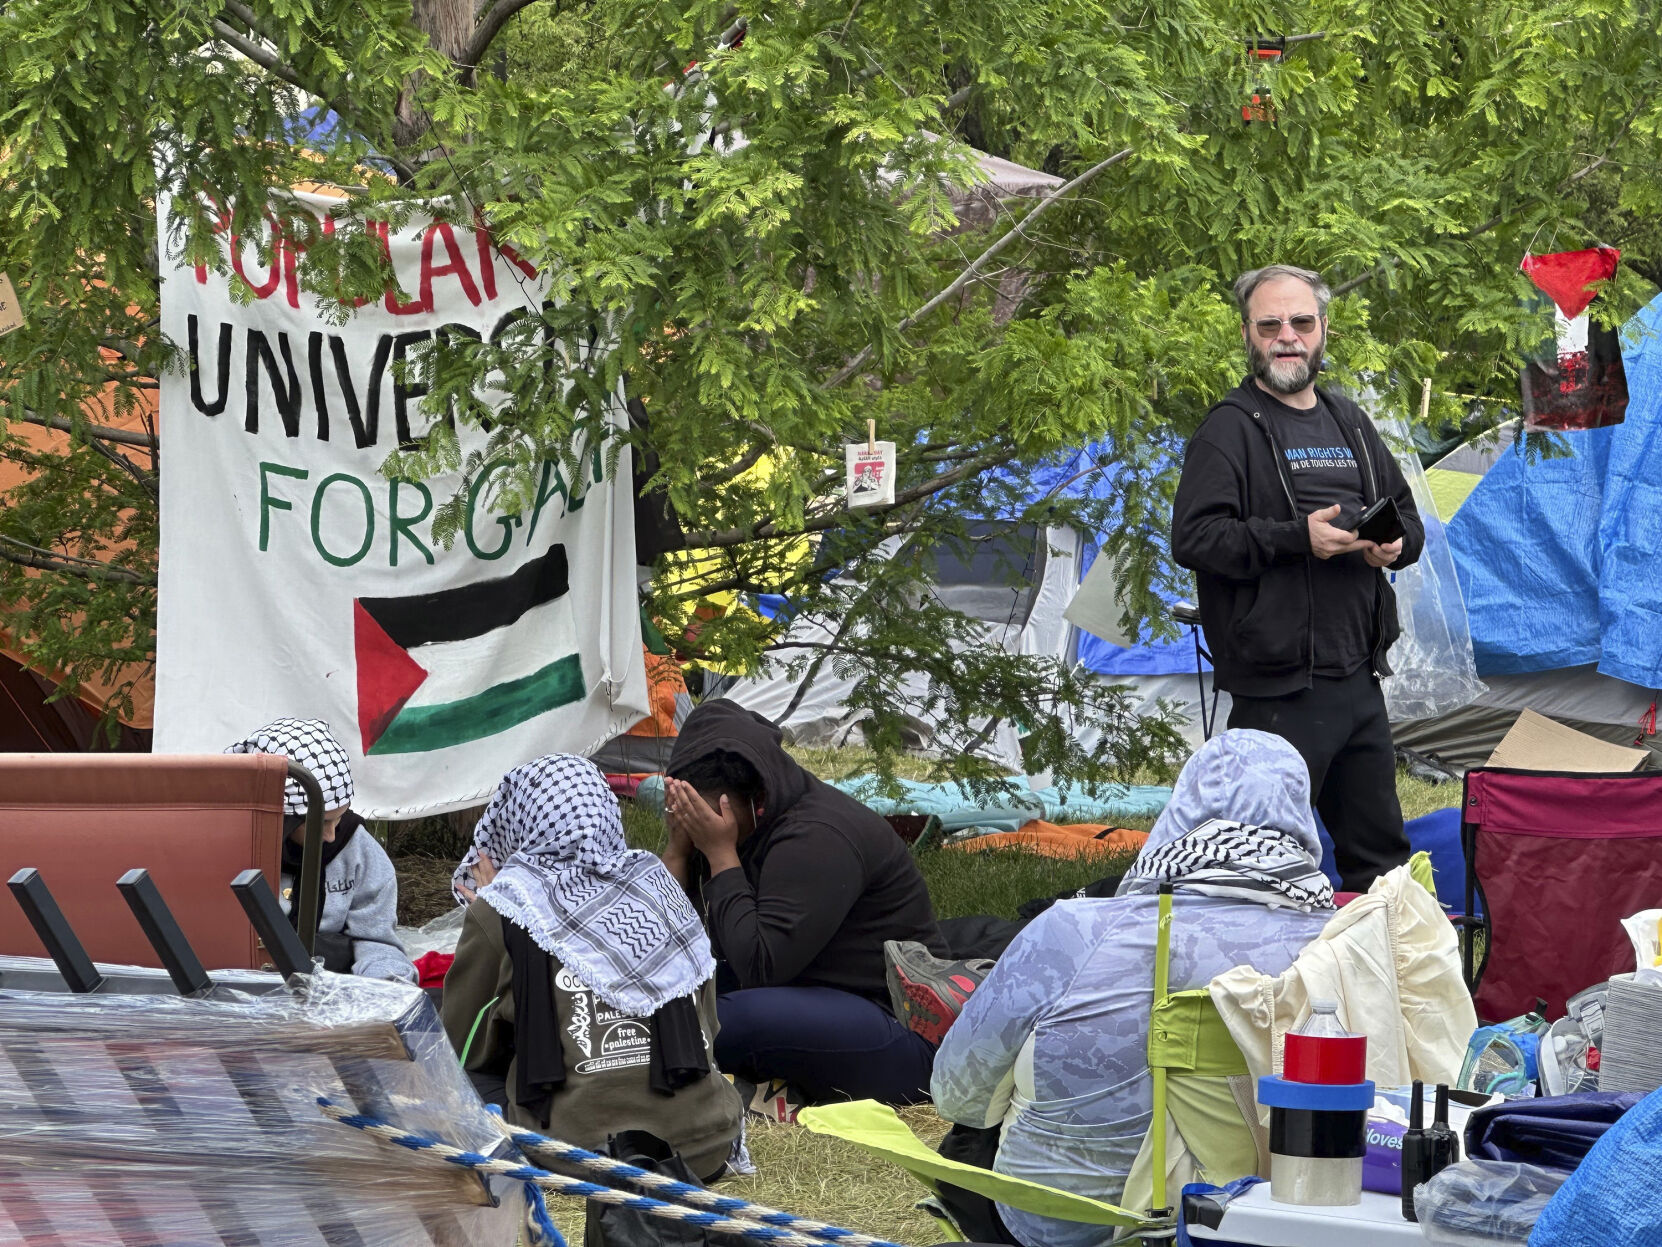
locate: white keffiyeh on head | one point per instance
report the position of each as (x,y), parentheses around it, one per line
(1239,826)
(310,743)
(612,915)
(1237,862)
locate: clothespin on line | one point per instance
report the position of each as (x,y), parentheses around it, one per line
(871,437)
(1425,400)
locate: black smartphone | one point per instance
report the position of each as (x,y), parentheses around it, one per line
(1381,523)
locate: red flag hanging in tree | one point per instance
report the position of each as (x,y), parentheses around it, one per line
(1576,381)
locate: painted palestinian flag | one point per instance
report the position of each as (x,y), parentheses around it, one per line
(1576,381)
(440,669)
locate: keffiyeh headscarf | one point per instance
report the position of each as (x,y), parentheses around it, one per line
(613,916)
(1238,825)
(310,743)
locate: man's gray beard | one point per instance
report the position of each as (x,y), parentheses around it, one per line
(1261,361)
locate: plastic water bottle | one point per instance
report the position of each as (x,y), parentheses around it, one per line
(1323,1022)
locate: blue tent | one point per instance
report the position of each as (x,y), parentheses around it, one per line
(1559,550)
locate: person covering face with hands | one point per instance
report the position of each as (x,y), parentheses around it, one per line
(1297,613)
(800,886)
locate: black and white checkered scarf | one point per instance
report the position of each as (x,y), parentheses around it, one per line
(310,743)
(612,915)
(1233,860)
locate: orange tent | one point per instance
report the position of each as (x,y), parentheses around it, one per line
(27,722)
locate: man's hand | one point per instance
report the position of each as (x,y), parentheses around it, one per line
(1326,540)
(690,820)
(1383,556)
(484,870)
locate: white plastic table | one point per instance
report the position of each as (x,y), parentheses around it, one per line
(1254,1218)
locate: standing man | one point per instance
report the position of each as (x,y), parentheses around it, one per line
(1297,610)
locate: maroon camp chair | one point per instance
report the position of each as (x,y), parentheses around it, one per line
(1557,859)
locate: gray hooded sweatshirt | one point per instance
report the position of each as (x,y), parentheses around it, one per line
(360,900)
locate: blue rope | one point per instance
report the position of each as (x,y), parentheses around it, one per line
(752,1228)
(544,1232)
(684,1190)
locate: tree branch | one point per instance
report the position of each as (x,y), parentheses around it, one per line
(278,68)
(103,432)
(267,61)
(963,279)
(490,26)
(146,481)
(717,539)
(739,466)
(21,552)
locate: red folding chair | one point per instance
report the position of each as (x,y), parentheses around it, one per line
(1557,859)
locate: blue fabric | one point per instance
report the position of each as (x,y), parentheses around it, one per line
(1557,1131)
(1630,528)
(1019,804)
(1330,863)
(1054,1043)
(1111,803)
(1220,1195)
(831,1045)
(1071,476)
(1149,656)
(1153,658)
(1526,549)
(1438,833)
(1611,1199)
(1557,557)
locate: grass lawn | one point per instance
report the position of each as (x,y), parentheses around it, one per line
(806,1173)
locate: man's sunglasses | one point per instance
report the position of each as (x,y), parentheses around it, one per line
(1269,327)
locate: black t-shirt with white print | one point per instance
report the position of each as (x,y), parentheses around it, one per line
(1324,471)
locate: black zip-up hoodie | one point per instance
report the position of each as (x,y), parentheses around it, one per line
(1236,525)
(824,879)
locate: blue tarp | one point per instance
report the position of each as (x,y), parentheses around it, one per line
(1610,1200)
(1560,559)
(1069,476)
(1436,833)
(1111,803)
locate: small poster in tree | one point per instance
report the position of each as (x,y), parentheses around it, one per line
(870,474)
(11,316)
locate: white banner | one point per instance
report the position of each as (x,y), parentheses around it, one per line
(298,581)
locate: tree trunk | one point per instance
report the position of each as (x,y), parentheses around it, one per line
(448,25)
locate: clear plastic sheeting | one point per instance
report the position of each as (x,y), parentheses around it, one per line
(1435,670)
(153,1119)
(440,935)
(1481,1203)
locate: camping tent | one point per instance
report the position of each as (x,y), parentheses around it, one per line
(1018,582)
(1558,543)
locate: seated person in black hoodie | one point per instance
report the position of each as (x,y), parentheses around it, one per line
(800,886)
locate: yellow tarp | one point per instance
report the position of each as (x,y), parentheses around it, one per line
(1449,489)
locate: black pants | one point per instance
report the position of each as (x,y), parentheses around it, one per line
(1341,729)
